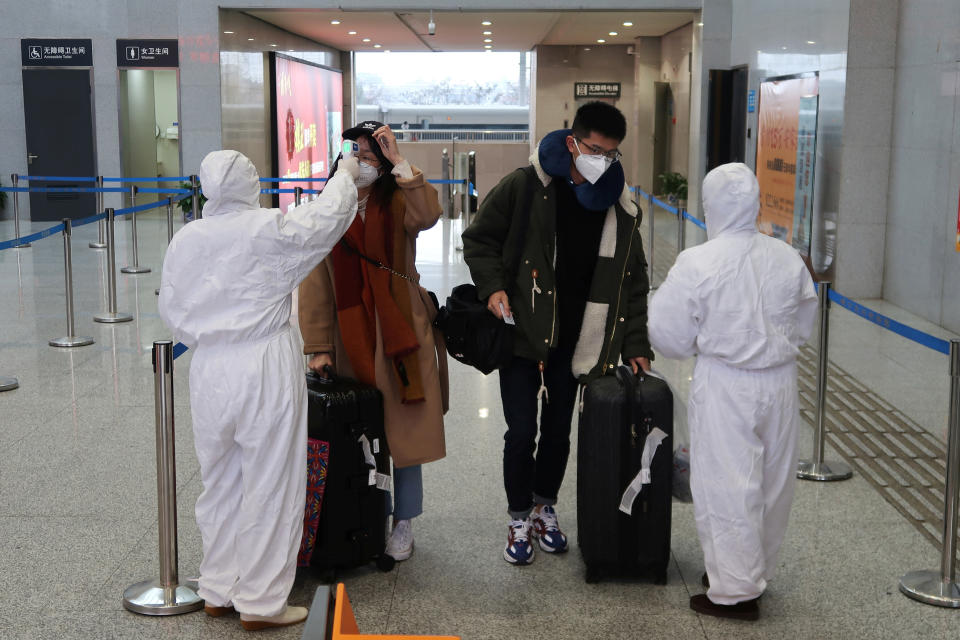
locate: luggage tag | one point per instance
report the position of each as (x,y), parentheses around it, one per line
(508,319)
(380,480)
(650,446)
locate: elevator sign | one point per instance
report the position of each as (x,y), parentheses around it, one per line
(147,53)
(596,90)
(56,52)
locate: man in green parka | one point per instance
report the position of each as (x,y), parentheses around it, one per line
(578,297)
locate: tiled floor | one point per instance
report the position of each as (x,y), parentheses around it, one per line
(78,503)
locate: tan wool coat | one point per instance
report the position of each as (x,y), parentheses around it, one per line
(414,431)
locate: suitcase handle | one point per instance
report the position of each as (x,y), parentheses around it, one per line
(327,369)
(629,382)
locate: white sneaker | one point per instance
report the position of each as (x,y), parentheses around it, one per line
(400,543)
(291,615)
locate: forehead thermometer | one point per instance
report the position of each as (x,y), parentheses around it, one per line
(349,148)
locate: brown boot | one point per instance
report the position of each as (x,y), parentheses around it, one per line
(216,612)
(746,610)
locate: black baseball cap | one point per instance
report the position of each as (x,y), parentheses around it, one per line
(367,127)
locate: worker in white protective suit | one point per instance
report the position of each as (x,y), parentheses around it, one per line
(226,294)
(742,302)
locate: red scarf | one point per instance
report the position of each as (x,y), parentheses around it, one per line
(366,293)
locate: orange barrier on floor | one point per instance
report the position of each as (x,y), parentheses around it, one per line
(345,625)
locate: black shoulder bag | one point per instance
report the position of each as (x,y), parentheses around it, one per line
(474,336)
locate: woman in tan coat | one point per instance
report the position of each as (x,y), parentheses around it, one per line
(375,324)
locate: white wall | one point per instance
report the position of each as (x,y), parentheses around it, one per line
(675,68)
(921,266)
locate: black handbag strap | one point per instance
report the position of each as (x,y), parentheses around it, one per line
(379,265)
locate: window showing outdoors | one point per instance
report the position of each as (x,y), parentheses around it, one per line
(460,90)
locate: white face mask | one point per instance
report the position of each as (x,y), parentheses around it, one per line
(368,175)
(591,167)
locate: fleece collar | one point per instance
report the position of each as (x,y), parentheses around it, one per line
(551,159)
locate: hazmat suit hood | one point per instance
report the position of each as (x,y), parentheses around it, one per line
(230,182)
(731,200)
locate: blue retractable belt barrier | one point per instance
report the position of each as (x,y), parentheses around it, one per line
(89,219)
(143,207)
(40,235)
(65,189)
(58,178)
(149,179)
(293,179)
(694,220)
(179,349)
(446,181)
(156,190)
(277,191)
(925,339)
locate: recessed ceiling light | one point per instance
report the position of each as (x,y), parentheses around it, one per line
(784,48)
(628,24)
(487,40)
(366,39)
(351,33)
(228,31)
(376,46)
(699,24)
(486,23)
(488,46)
(249,39)
(600,40)
(488,33)
(291,50)
(334,22)
(613,33)
(586,48)
(273,45)
(811,42)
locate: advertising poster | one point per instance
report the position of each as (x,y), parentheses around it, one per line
(309,112)
(786,149)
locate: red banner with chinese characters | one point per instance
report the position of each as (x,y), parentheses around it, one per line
(780,131)
(309,101)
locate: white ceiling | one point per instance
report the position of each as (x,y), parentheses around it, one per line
(463,31)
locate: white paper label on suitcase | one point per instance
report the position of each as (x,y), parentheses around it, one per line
(650,446)
(376,445)
(383,482)
(372,479)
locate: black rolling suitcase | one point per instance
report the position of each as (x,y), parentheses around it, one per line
(348,416)
(622,416)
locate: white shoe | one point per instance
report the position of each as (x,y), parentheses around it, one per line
(291,615)
(400,543)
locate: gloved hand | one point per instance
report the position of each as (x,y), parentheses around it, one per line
(350,165)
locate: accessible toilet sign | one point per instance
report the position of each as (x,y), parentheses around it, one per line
(148,53)
(56,52)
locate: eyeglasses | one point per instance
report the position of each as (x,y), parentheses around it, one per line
(613,155)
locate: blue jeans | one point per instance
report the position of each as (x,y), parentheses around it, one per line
(407,499)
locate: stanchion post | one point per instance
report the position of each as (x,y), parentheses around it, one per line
(817,469)
(650,217)
(681,230)
(111,315)
(69,340)
(164,597)
(195,201)
(8,383)
(135,268)
(100,243)
(940,588)
(15,180)
(297,196)
(169,220)
(445,196)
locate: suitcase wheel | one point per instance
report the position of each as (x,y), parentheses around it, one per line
(385,563)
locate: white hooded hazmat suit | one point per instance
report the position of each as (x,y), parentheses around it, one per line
(226,293)
(742,302)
